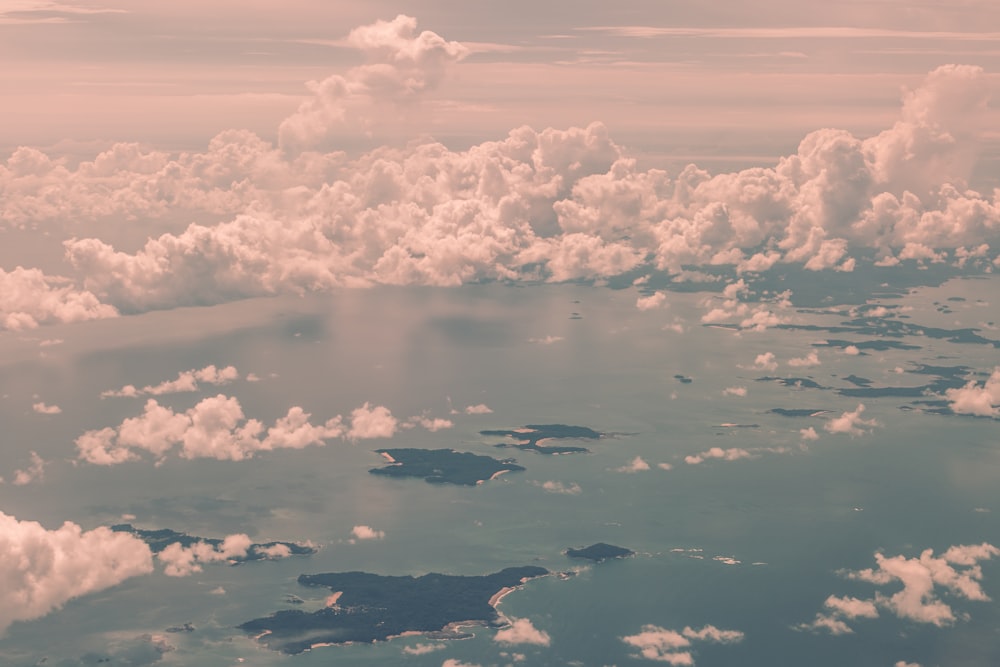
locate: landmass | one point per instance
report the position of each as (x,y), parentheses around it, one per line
(600,552)
(799,412)
(531,436)
(158,540)
(794,382)
(683,379)
(443,466)
(372,607)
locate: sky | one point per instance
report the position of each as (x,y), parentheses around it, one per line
(163,156)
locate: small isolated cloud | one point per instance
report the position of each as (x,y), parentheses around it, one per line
(367,533)
(218,590)
(635,465)
(479,409)
(975,399)
(548,340)
(808,433)
(675,648)
(521,631)
(571,489)
(29,298)
(735,391)
(850,423)
(186,381)
(423,649)
(33,473)
(765,362)
(43,409)
(183,561)
(656,300)
(43,569)
(452,662)
(368,422)
(956,573)
(720,454)
(433,425)
(903,663)
(811,359)
(852,350)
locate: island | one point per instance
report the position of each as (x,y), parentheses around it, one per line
(158,540)
(600,552)
(443,466)
(799,412)
(531,436)
(366,607)
(798,383)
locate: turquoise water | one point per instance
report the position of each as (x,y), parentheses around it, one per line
(793,516)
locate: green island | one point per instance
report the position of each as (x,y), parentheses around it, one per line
(600,552)
(366,607)
(529,437)
(443,466)
(158,540)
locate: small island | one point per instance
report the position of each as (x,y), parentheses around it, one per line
(531,436)
(366,607)
(443,466)
(600,552)
(158,540)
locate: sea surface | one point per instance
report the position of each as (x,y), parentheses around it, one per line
(755,544)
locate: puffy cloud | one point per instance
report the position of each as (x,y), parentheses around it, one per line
(371,422)
(735,391)
(552,486)
(957,572)
(635,465)
(34,472)
(975,399)
(850,423)
(43,409)
(214,428)
(183,561)
(423,649)
(521,631)
(651,302)
(42,569)
(403,66)
(674,648)
(732,454)
(809,433)
(29,298)
(765,362)
(811,359)
(478,409)
(367,533)
(186,381)
(433,425)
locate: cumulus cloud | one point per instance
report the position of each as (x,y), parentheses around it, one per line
(731,454)
(924,579)
(423,649)
(735,391)
(811,359)
(765,362)
(33,473)
(29,298)
(521,631)
(431,424)
(183,561)
(635,465)
(653,301)
(552,204)
(548,340)
(403,67)
(674,648)
(850,423)
(217,428)
(185,381)
(478,409)
(367,533)
(982,400)
(43,409)
(551,486)
(808,433)
(43,569)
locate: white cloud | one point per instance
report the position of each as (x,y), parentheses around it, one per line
(765,362)
(808,433)
(852,350)
(29,298)
(369,422)
(651,302)
(423,649)
(479,409)
(572,489)
(956,572)
(735,391)
(42,569)
(975,399)
(548,340)
(850,423)
(214,428)
(812,359)
(183,561)
(521,631)
(732,454)
(674,648)
(34,472)
(186,381)
(433,425)
(635,465)
(43,409)
(367,533)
